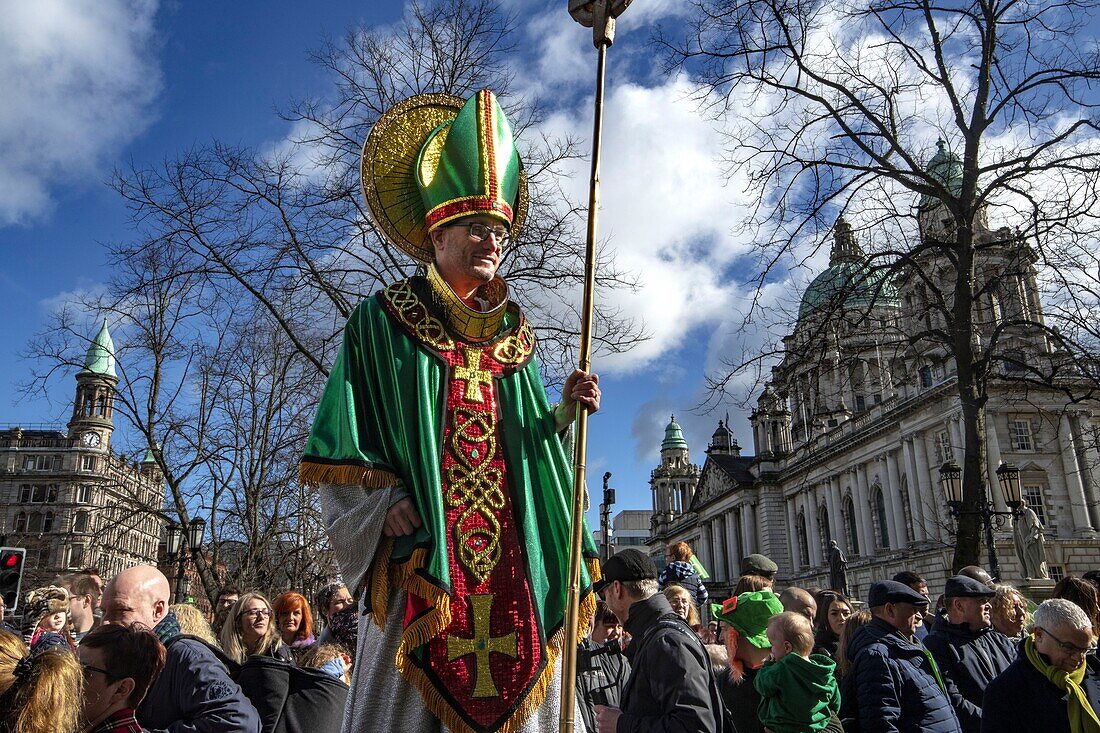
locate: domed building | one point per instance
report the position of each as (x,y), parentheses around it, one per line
(855,422)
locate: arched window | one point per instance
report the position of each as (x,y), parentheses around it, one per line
(21,522)
(825,531)
(35,522)
(80,522)
(803,545)
(47,522)
(879,503)
(851,525)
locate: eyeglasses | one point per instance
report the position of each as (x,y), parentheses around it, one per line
(481,232)
(88,668)
(1067,647)
(258,613)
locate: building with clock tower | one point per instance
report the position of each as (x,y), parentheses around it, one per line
(68,497)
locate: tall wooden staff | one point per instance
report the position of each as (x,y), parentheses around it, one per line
(599,15)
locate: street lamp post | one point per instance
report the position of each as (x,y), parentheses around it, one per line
(1008,476)
(178,550)
(605,518)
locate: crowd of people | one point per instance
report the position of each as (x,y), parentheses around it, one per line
(980,659)
(120,658)
(95,658)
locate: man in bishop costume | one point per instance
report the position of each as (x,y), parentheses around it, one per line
(439,461)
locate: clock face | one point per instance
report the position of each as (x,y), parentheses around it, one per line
(91,439)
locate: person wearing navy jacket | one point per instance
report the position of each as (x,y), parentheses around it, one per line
(194,693)
(894,685)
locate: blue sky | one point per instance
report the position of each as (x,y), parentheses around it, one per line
(88,87)
(144,81)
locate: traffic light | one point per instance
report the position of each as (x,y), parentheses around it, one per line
(11,575)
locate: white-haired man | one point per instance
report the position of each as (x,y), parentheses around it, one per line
(1054,684)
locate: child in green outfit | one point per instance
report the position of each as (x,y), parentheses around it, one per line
(797,689)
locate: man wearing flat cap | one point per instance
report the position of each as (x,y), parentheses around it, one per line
(439,461)
(968,650)
(671,684)
(760,566)
(894,684)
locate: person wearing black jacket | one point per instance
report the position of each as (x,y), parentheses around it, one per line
(968,651)
(671,685)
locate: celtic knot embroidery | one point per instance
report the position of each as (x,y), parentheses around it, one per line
(475,486)
(415,316)
(516,348)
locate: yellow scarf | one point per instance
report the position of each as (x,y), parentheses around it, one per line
(1082,718)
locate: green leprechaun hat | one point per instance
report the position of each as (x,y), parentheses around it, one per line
(749,613)
(435,158)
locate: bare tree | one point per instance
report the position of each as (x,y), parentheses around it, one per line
(289,226)
(831,107)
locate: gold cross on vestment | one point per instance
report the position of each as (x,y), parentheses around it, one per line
(482,643)
(473,375)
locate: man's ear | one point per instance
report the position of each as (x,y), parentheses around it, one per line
(125,688)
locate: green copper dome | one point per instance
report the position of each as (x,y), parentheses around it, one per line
(850,282)
(148,459)
(947,168)
(674,436)
(100,358)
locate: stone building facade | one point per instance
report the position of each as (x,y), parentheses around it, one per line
(853,427)
(68,498)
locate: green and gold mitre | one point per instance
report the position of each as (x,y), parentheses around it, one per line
(434,158)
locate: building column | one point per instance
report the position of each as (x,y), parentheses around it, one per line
(1087,461)
(929,499)
(704,548)
(813,531)
(916,500)
(897,501)
(733,551)
(890,501)
(1082,526)
(792,533)
(836,512)
(993,462)
(718,532)
(863,510)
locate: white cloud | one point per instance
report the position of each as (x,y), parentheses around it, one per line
(668,211)
(77,81)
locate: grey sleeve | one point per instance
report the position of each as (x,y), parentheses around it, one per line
(354,517)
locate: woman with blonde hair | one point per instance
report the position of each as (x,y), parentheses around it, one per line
(39,693)
(250,629)
(854,622)
(193,623)
(682,604)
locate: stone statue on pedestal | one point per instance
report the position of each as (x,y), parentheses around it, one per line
(838,569)
(1027,532)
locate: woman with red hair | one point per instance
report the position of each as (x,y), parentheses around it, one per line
(295,621)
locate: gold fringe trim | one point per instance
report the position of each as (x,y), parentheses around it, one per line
(323,473)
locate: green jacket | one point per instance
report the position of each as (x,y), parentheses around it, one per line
(797,694)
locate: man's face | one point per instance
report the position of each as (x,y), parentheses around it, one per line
(101,697)
(1065,648)
(97,599)
(903,616)
(226,600)
(804,605)
(126,604)
(974,612)
(82,609)
(616,598)
(340,600)
(463,262)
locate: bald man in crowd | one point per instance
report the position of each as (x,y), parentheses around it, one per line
(194,693)
(800,601)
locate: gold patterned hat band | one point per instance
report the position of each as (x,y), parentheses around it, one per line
(435,158)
